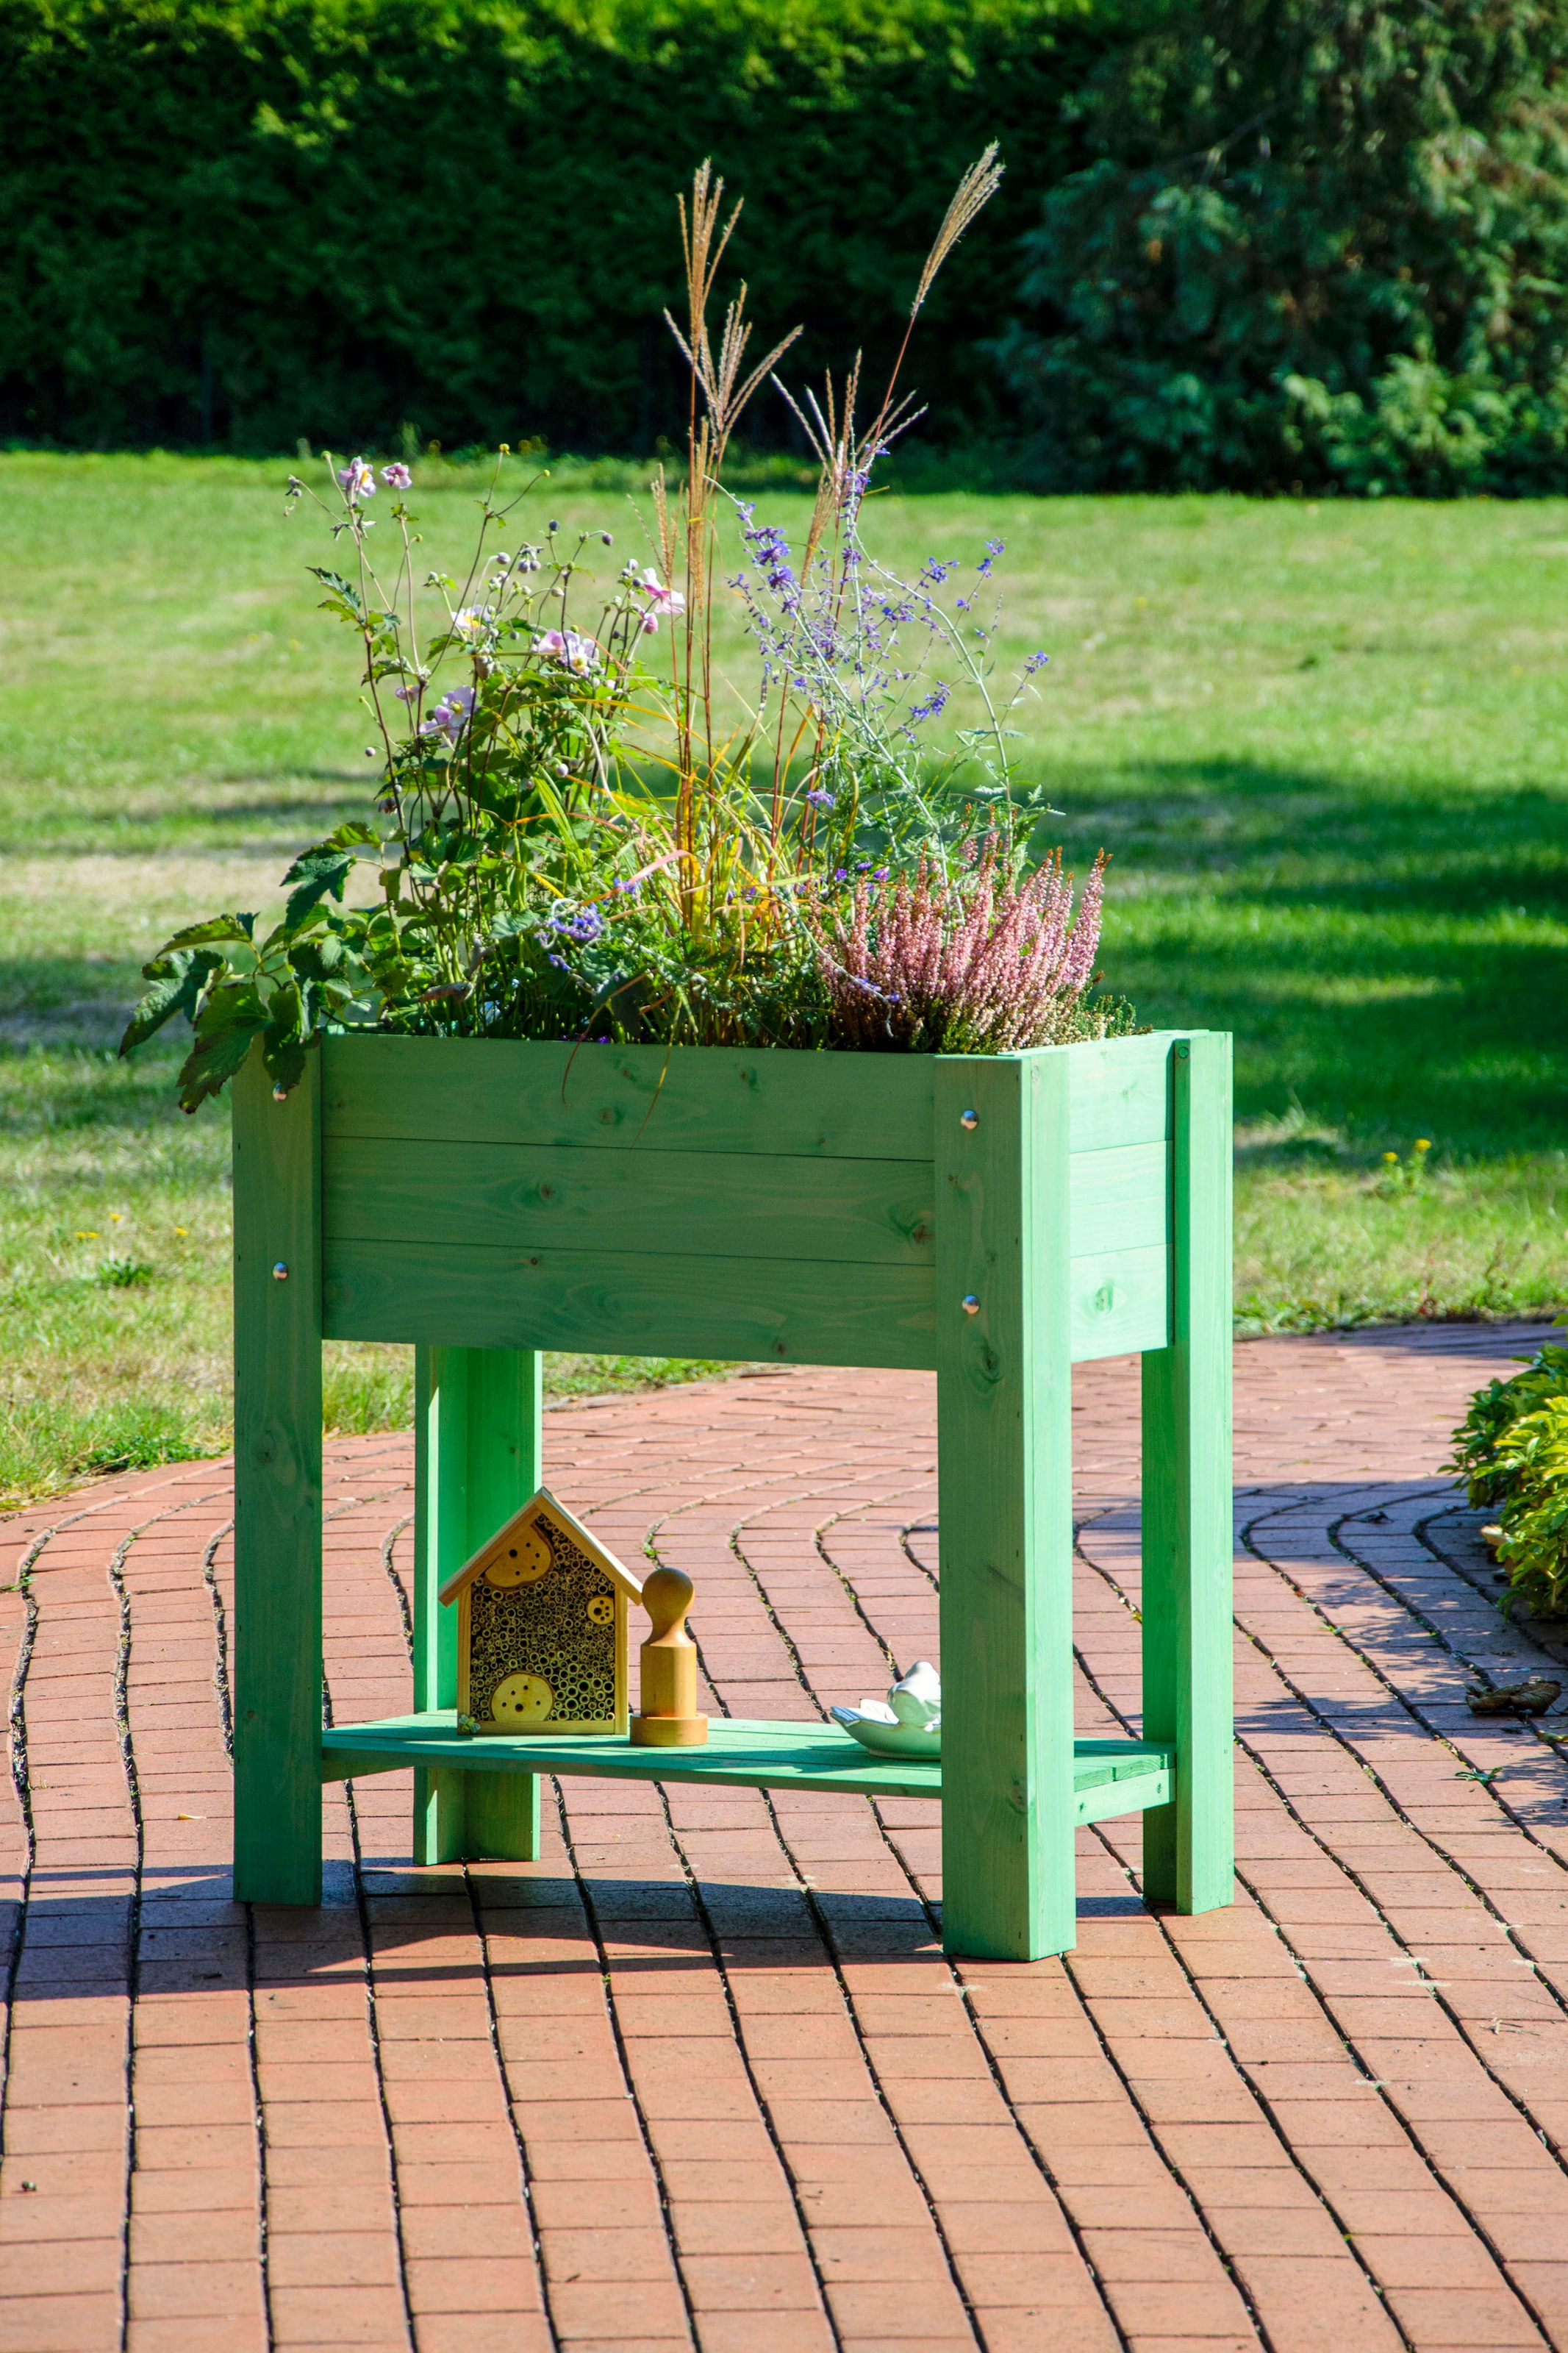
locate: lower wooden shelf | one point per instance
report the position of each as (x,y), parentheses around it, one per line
(1110,1777)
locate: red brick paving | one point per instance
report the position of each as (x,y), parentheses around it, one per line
(702,2077)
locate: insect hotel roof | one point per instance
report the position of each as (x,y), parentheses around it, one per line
(541,1506)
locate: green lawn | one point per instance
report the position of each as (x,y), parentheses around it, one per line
(1326,743)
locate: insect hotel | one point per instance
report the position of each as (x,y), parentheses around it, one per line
(992,1218)
(541,1628)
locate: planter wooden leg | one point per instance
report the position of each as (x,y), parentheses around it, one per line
(276,1488)
(1004,1464)
(1188,1848)
(478,1452)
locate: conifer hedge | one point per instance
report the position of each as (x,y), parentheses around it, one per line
(1318,244)
(241,222)
(1254,244)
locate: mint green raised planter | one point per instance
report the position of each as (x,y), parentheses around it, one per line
(995,1218)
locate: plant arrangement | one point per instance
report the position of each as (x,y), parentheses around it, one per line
(1511,1448)
(581,831)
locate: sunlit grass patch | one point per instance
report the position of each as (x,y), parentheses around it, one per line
(1328,745)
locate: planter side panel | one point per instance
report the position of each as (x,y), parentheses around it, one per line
(488,1194)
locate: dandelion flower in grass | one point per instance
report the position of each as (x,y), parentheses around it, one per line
(357,479)
(1391,1156)
(1423,1143)
(396,478)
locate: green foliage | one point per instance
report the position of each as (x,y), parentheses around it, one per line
(1512,1449)
(1532,1462)
(1485,1455)
(251,220)
(1323,244)
(582,847)
(574,847)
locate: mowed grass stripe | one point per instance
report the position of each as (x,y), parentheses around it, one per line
(1325,742)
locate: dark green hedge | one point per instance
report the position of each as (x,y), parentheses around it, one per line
(1320,243)
(246,221)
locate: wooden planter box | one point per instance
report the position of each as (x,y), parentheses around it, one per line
(993,1219)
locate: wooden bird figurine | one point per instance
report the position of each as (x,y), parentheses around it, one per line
(668,1719)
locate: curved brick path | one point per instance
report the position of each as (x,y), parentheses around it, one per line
(702,2075)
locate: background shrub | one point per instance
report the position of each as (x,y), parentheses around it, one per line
(1244,244)
(1319,245)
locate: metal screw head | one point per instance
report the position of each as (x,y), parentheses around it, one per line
(969,1119)
(279,1272)
(970,1304)
(279,1094)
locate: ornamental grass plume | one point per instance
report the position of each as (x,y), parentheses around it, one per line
(972,962)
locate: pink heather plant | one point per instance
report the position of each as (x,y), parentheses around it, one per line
(972,963)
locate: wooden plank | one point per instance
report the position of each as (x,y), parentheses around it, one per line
(1119,1303)
(651,1098)
(870,1212)
(749,1755)
(706,1098)
(478,1456)
(1099,1761)
(1120,1199)
(799,1310)
(1004,1403)
(673,1204)
(1133,1793)
(278,1488)
(1108,1777)
(1187,1540)
(1120,1092)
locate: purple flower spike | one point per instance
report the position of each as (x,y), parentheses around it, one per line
(818,798)
(1035,662)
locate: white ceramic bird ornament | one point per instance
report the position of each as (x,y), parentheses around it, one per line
(908,1723)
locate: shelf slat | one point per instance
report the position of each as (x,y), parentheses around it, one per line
(1110,1777)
